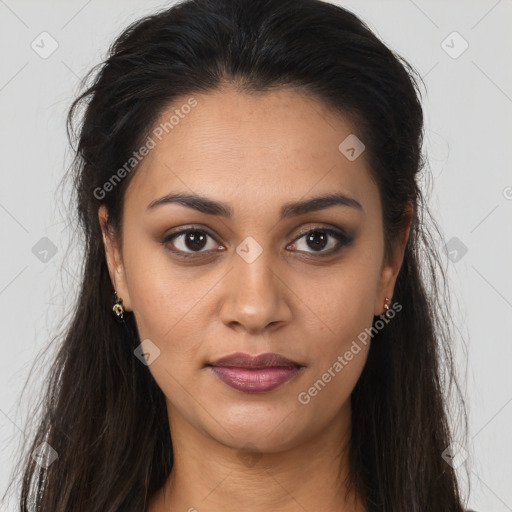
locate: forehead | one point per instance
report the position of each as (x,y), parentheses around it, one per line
(262,148)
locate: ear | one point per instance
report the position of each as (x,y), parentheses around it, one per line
(391,267)
(114,258)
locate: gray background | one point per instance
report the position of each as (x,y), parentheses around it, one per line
(468,142)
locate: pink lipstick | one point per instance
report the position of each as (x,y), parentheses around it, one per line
(254,374)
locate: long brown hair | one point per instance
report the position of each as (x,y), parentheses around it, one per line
(102,412)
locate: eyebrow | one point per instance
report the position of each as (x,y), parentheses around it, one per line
(211,207)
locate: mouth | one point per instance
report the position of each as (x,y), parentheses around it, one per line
(254,374)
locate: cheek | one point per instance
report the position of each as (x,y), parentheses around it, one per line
(340,308)
(341,302)
(162,295)
(338,345)
(167,312)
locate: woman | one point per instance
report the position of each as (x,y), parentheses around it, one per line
(259,324)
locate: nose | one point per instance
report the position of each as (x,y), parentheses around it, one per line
(255,297)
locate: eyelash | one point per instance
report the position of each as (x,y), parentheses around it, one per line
(343,241)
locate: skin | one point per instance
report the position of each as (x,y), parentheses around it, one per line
(255,152)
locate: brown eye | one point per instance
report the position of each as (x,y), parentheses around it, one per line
(319,239)
(189,241)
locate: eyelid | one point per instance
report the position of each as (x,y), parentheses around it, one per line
(187,228)
(329,228)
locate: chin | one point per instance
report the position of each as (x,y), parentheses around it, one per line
(261,427)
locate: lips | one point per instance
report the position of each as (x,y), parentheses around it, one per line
(254,374)
(241,360)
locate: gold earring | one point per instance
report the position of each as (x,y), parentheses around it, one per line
(118,308)
(386,305)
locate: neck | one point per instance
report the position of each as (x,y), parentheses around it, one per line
(208,475)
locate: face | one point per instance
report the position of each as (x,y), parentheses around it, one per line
(259,274)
